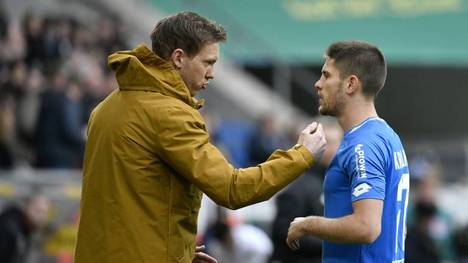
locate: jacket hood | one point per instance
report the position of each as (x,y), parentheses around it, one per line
(141,69)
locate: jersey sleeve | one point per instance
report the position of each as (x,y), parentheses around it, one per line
(364,162)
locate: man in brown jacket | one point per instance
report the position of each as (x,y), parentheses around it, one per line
(148,156)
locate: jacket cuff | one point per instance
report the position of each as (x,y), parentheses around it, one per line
(308,157)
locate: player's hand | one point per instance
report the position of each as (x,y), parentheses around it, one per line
(201,257)
(295,232)
(313,138)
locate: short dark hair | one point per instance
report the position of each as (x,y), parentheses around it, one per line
(363,60)
(186,30)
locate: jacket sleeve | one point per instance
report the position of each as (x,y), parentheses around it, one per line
(183,143)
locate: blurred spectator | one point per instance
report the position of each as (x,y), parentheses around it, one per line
(95,91)
(17,225)
(3,39)
(17,80)
(23,87)
(108,35)
(420,247)
(7,123)
(27,113)
(3,23)
(14,46)
(232,243)
(60,135)
(34,32)
(58,42)
(460,241)
(264,140)
(303,198)
(82,38)
(429,226)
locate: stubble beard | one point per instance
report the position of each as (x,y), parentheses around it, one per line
(327,111)
(333,110)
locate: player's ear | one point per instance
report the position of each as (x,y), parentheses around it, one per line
(177,58)
(352,84)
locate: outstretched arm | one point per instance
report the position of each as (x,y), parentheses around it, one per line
(184,145)
(362,226)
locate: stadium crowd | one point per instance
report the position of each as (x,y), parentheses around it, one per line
(53,71)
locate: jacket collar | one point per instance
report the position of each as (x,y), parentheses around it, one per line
(142,69)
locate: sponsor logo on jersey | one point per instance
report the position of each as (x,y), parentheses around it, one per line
(361,189)
(360,161)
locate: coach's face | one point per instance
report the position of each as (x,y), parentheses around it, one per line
(330,89)
(198,70)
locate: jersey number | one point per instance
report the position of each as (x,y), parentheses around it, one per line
(402,199)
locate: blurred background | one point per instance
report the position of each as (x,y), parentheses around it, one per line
(53,72)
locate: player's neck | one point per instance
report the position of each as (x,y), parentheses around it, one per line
(356,113)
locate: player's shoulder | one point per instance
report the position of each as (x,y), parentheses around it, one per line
(372,129)
(373,134)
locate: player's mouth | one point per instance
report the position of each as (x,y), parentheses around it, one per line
(204,86)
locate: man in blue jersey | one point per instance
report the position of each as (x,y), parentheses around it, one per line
(367,184)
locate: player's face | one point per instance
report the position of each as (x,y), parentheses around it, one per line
(198,70)
(330,90)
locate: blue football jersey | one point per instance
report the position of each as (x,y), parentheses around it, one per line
(370,163)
